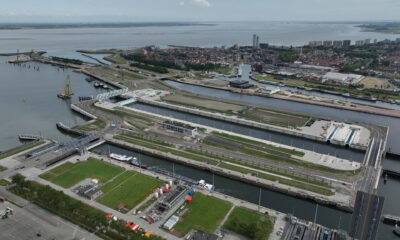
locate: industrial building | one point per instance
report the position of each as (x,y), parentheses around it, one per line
(240,84)
(179,127)
(341,78)
(269,90)
(90,191)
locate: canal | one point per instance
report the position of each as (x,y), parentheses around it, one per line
(289,140)
(303,209)
(392,123)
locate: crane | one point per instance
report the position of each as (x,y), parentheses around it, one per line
(67,91)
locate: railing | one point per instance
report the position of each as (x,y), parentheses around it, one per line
(110,94)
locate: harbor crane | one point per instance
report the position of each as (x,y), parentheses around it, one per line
(67,91)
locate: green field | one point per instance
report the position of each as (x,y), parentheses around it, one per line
(70,174)
(128,189)
(249,223)
(205,213)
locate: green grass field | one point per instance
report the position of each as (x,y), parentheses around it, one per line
(249,223)
(205,213)
(70,174)
(129,189)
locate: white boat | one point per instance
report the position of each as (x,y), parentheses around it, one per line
(119,157)
(205,185)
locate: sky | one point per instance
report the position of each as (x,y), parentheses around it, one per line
(197,10)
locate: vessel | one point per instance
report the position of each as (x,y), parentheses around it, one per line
(67,91)
(122,158)
(136,163)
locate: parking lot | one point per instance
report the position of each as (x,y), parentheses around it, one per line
(31,222)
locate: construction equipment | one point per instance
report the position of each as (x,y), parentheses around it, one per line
(67,91)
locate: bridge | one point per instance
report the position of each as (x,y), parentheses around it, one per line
(366,215)
(78,143)
(127,101)
(110,94)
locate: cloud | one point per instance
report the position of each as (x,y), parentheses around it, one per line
(182,4)
(201,3)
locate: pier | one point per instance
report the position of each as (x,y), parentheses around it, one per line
(391,173)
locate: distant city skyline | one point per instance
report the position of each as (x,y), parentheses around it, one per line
(197,10)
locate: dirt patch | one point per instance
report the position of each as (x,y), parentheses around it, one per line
(373,82)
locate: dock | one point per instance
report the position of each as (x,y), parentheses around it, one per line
(391,173)
(390,219)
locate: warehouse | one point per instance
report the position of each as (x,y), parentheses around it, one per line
(182,128)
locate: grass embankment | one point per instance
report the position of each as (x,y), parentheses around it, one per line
(150,144)
(132,75)
(70,174)
(75,211)
(21,149)
(258,143)
(275,117)
(95,125)
(205,214)
(128,189)
(299,182)
(249,223)
(204,104)
(4,182)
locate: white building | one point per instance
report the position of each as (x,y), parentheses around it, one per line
(341,78)
(256,41)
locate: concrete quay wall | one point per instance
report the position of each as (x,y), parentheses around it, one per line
(277,187)
(245,122)
(83,112)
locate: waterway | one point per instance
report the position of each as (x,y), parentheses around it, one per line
(64,42)
(324,148)
(301,208)
(347,115)
(29,103)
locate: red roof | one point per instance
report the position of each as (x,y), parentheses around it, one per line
(189,199)
(109,215)
(165,190)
